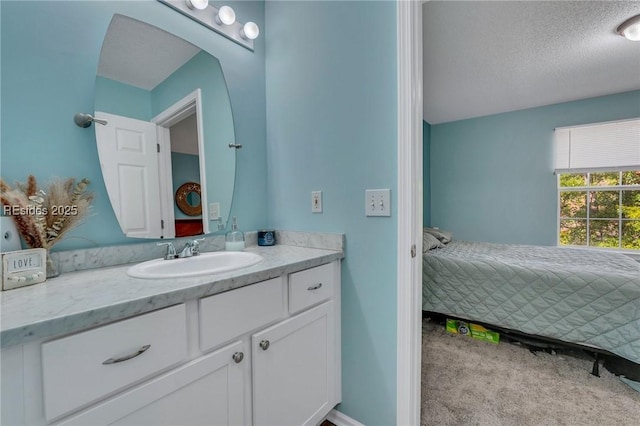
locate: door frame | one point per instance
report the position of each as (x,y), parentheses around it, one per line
(190,104)
(410,205)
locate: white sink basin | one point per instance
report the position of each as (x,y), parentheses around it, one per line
(203,264)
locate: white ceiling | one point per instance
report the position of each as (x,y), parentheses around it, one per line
(141,55)
(488,57)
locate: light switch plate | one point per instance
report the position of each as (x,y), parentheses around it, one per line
(377,202)
(316,201)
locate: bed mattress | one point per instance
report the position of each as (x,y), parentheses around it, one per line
(573,295)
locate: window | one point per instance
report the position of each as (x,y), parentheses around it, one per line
(598,168)
(600,209)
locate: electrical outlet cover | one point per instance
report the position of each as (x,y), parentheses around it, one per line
(214,211)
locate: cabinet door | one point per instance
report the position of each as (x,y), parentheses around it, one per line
(294,369)
(207,391)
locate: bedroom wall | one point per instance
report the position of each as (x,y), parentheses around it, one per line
(492,177)
(332,126)
(49,56)
(426,173)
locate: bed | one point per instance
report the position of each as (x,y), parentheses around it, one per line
(573,295)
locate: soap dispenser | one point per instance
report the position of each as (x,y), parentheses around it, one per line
(234,240)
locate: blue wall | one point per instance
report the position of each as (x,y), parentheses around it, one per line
(426,173)
(331,126)
(185,168)
(122,99)
(492,177)
(49,57)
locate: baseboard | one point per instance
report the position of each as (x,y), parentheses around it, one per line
(341,419)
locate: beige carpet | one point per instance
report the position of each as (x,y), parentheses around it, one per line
(470,382)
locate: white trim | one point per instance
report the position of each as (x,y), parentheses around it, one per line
(341,419)
(597,124)
(165,172)
(192,103)
(409,46)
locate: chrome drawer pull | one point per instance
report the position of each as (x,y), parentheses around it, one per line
(264,345)
(127,357)
(315,287)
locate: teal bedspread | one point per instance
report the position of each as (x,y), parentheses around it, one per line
(574,295)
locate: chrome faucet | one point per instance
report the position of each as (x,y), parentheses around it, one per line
(191,248)
(171,251)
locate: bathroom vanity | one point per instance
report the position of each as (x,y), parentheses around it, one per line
(260,345)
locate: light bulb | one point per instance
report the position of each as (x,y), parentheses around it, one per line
(630,29)
(250,31)
(226,16)
(632,32)
(197,4)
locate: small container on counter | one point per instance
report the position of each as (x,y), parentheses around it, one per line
(266,237)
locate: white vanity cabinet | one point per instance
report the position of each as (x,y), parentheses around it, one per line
(294,372)
(206,391)
(264,354)
(295,347)
(85,367)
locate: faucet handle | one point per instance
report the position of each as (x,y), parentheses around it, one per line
(171,250)
(195,246)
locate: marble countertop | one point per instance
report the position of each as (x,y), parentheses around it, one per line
(79,300)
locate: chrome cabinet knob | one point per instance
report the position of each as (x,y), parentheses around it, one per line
(264,345)
(238,357)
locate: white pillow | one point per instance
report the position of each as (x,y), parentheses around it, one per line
(444,236)
(430,242)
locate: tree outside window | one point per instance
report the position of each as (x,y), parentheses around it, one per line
(600,209)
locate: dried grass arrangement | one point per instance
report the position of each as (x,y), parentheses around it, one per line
(44,216)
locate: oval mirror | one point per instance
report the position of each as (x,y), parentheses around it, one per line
(169,123)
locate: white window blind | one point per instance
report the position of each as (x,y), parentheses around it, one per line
(603,146)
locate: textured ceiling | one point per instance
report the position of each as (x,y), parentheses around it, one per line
(488,57)
(141,55)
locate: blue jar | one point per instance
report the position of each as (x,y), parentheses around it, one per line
(266,237)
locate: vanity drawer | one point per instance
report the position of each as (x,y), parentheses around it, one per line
(226,316)
(310,287)
(81,368)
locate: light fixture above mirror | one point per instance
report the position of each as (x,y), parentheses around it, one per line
(630,29)
(197,4)
(223,20)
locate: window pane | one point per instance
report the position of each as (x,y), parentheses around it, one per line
(631,234)
(569,180)
(631,204)
(605,179)
(573,204)
(604,204)
(573,232)
(604,233)
(631,178)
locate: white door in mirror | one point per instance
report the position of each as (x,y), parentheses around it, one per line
(126,144)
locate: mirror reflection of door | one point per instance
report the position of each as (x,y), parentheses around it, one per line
(149,160)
